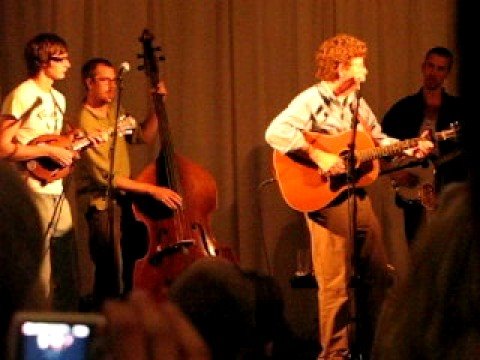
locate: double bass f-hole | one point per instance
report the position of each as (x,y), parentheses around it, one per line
(178,237)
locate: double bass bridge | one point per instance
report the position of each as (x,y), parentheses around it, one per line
(161,252)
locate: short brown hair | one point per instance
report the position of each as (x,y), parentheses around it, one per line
(89,68)
(39,50)
(337,50)
(443,52)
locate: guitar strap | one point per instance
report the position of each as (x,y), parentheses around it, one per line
(56,107)
(354,107)
(28,112)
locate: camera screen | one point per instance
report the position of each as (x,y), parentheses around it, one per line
(59,339)
(55,340)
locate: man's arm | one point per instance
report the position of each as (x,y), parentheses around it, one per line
(12,150)
(150,128)
(160,193)
(150,125)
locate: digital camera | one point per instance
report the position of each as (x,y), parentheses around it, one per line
(56,335)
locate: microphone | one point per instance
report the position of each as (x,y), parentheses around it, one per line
(123,68)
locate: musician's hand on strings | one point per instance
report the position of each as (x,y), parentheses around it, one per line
(60,155)
(169,197)
(329,164)
(338,167)
(94,138)
(97,137)
(423,148)
(76,134)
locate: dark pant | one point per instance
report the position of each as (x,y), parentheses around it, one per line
(414,217)
(114,253)
(65,294)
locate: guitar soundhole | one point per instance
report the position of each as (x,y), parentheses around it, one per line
(337,182)
(48,164)
(363,169)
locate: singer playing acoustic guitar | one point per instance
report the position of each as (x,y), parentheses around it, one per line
(315,131)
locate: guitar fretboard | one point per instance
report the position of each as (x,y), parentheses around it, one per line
(84,142)
(388,150)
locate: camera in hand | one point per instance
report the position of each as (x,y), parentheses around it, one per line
(56,335)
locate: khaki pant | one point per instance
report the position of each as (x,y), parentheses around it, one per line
(60,226)
(332,250)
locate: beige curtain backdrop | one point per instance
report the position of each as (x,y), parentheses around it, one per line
(231,66)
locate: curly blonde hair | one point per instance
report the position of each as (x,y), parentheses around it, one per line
(337,50)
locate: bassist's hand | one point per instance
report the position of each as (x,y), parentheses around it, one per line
(169,197)
(161,88)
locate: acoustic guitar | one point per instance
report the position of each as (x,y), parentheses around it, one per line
(303,185)
(47,170)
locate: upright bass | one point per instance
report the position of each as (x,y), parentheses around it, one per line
(177,238)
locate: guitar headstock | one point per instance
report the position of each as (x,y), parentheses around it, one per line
(452,133)
(150,60)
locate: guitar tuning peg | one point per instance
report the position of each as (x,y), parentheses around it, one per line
(161,58)
(140,67)
(157,48)
(140,56)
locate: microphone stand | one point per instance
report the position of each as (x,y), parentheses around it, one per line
(115,240)
(356,280)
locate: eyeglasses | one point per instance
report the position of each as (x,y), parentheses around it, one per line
(58,58)
(106,79)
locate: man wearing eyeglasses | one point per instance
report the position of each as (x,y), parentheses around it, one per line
(113,260)
(32,109)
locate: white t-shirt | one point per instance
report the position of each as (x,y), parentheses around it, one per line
(46,118)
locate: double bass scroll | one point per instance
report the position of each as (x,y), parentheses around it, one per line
(177,238)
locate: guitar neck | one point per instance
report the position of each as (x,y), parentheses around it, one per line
(382,151)
(85,141)
(81,144)
(398,147)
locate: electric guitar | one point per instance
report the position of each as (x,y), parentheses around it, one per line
(423,171)
(424,191)
(303,185)
(46,170)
